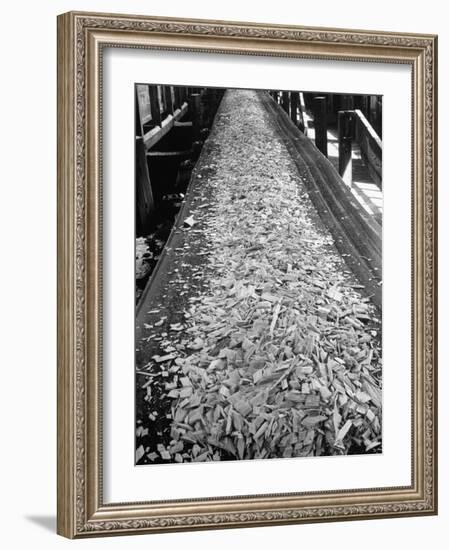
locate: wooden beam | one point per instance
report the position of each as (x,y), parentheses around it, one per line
(320,122)
(154,105)
(294,102)
(178,99)
(168,153)
(168,99)
(285,102)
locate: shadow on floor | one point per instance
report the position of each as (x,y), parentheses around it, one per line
(46,522)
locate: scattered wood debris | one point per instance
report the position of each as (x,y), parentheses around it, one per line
(189,222)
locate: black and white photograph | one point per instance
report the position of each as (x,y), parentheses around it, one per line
(258,274)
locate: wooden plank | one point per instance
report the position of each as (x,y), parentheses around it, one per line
(185,124)
(168,153)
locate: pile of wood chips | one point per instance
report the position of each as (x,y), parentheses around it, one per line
(280,357)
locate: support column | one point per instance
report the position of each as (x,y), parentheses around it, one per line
(294,102)
(154,104)
(144,193)
(345,136)
(320,121)
(195,112)
(285,102)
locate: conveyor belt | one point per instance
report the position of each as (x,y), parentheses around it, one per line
(251,290)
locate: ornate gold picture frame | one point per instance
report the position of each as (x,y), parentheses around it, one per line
(82,39)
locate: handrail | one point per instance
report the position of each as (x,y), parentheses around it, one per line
(155,134)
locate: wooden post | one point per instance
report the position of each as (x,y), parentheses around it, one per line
(302,110)
(178,99)
(154,105)
(195,106)
(347,102)
(144,193)
(168,100)
(138,117)
(378,125)
(345,123)
(358,102)
(182,95)
(330,104)
(285,102)
(294,102)
(320,122)
(365,107)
